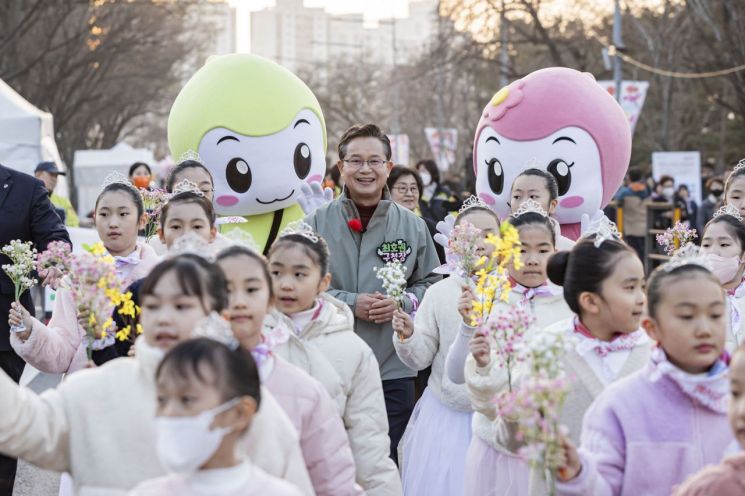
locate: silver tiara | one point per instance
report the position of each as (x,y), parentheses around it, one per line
(528,206)
(689,254)
(185,186)
(241,237)
(302,229)
(740,165)
(213,326)
(471,202)
(230,219)
(730,210)
(193,244)
(189,155)
(603,229)
(117,177)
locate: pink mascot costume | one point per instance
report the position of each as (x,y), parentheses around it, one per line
(560,120)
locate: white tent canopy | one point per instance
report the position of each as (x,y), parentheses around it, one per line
(26,135)
(92,167)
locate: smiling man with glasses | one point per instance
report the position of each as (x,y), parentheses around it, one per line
(365,229)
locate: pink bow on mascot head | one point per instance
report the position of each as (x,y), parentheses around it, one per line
(561,121)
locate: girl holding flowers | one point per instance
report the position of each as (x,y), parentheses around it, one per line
(60,347)
(99,424)
(649,431)
(186,213)
(603,285)
(533,302)
(434,444)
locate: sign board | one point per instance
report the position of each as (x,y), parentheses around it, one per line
(633,94)
(448,137)
(399,149)
(684,167)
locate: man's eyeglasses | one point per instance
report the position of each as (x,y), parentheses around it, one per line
(402,190)
(357,163)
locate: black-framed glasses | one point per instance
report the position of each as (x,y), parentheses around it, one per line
(357,163)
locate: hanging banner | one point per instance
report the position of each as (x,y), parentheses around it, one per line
(399,149)
(684,167)
(449,139)
(633,94)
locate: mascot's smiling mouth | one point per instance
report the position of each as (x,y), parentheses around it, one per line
(276,199)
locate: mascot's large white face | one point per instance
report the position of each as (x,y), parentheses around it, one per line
(570,155)
(259,174)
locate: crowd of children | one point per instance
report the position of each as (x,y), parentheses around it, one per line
(248,377)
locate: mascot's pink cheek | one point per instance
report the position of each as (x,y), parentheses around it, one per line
(487,198)
(572,201)
(315,178)
(227,200)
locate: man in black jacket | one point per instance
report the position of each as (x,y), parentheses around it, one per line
(26,214)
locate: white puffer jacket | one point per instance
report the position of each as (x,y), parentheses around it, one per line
(331,337)
(99,425)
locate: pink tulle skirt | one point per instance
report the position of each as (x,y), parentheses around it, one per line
(492,473)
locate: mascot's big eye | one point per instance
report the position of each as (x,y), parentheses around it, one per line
(560,170)
(495,175)
(302,160)
(238,174)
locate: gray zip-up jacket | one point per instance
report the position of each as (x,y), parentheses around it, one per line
(394,232)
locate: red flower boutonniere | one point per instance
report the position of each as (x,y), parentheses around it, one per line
(355,225)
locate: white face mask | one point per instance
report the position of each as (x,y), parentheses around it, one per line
(725,268)
(668,192)
(186,443)
(426,178)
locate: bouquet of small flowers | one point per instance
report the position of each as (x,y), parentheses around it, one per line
(676,237)
(461,257)
(536,405)
(153,201)
(57,255)
(508,330)
(23,258)
(393,276)
(492,276)
(95,289)
(128,311)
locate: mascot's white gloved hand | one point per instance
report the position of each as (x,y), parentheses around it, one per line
(314,196)
(444,227)
(586,221)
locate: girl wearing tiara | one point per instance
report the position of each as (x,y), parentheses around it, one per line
(541,187)
(603,285)
(315,416)
(723,244)
(190,175)
(434,444)
(187,218)
(647,432)
(59,347)
(734,188)
(484,378)
(322,342)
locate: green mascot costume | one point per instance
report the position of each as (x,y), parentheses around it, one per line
(260,131)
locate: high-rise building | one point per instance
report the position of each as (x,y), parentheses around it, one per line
(297,36)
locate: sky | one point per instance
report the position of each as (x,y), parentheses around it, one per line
(372,10)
